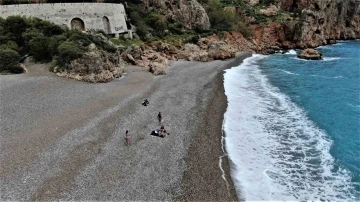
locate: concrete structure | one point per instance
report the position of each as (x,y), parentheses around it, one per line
(108,17)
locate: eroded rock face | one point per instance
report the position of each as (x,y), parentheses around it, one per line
(96,66)
(190,12)
(310,24)
(310,54)
(326,19)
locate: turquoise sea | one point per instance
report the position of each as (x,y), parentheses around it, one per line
(293,126)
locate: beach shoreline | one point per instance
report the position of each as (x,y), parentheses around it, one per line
(207,156)
(66,141)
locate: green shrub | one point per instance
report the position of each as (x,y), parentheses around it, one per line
(10,45)
(267,2)
(14,26)
(195,39)
(243,29)
(53,64)
(69,51)
(141,30)
(39,48)
(220,19)
(54,43)
(176,28)
(8,61)
(81,38)
(30,33)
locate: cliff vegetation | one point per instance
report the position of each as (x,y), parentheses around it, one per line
(201,30)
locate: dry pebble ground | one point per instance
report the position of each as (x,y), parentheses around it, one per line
(64,140)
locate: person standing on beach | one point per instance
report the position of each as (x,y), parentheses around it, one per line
(127,138)
(159,117)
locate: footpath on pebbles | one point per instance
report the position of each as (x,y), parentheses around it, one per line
(64,140)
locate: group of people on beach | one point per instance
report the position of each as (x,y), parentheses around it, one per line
(161,132)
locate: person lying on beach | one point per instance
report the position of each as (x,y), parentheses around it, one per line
(127,138)
(162,133)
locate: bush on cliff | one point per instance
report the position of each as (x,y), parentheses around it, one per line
(86,39)
(54,43)
(220,19)
(69,51)
(8,61)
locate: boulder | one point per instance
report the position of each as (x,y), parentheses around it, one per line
(310,54)
(157,68)
(331,41)
(219,50)
(270,11)
(252,2)
(130,58)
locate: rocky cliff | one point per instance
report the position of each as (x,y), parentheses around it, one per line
(311,23)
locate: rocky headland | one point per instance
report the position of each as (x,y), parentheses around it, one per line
(290,24)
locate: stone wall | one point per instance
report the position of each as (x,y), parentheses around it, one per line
(108,17)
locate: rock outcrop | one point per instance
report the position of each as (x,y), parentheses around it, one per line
(96,66)
(153,58)
(310,54)
(270,11)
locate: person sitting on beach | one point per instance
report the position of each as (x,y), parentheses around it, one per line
(127,138)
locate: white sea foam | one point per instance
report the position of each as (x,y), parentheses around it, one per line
(331,58)
(279,154)
(288,72)
(329,77)
(291,52)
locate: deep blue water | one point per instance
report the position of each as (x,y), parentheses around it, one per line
(329,92)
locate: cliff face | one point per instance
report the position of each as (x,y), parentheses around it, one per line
(316,22)
(190,12)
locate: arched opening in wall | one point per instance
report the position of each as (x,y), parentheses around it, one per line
(106,23)
(78,24)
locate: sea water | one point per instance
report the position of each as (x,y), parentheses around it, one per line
(292,126)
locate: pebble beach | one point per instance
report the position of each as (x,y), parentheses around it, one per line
(63,139)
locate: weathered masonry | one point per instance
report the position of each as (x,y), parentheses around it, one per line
(108,17)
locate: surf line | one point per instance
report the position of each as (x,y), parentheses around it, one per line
(224,155)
